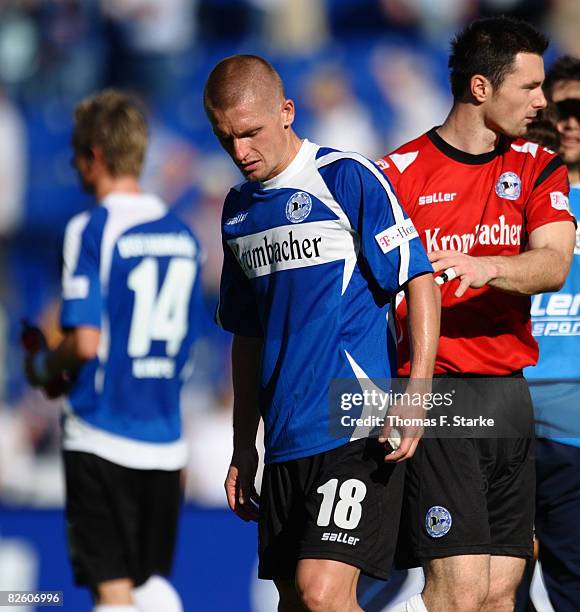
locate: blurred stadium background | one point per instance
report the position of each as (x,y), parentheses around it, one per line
(366,75)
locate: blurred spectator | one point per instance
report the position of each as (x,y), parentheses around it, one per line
(564,25)
(228,20)
(148,40)
(568,124)
(563,79)
(214,173)
(13,161)
(210,438)
(19,42)
(533,11)
(340,120)
(544,132)
(435,19)
(170,165)
(51,48)
(299,27)
(407,83)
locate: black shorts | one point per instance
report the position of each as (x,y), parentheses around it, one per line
(121,522)
(342,505)
(472,495)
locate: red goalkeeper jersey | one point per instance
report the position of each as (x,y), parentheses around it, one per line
(484,204)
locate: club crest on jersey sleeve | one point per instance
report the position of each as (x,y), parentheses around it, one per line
(509,186)
(298,207)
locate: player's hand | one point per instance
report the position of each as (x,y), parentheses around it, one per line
(403,439)
(240,490)
(471,271)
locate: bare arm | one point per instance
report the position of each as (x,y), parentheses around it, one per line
(246,362)
(78,346)
(424,307)
(543,267)
(239,484)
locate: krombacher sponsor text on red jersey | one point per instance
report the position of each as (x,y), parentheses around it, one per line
(484,204)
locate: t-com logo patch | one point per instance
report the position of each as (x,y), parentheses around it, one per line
(298,207)
(438,521)
(509,186)
(396,235)
(559,201)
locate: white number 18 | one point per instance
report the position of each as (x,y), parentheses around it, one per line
(348,511)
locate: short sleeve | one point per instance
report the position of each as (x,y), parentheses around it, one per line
(389,242)
(237,311)
(549,199)
(81,288)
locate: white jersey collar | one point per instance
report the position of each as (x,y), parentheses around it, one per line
(305,154)
(118,198)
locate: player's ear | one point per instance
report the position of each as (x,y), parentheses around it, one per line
(97,155)
(480,87)
(288,112)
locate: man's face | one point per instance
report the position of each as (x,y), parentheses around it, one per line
(516,102)
(255,134)
(569,128)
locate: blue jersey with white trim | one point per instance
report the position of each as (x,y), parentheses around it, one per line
(555,379)
(131,269)
(312,259)
(556,320)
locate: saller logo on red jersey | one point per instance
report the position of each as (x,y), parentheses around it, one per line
(500,233)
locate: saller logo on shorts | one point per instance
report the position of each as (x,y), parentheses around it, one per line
(438,521)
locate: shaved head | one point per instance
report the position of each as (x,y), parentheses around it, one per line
(252,119)
(243,79)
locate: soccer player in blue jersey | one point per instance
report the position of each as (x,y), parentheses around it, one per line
(315,247)
(131,303)
(555,381)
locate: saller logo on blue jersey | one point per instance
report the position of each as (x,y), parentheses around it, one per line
(298,207)
(438,521)
(396,235)
(509,186)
